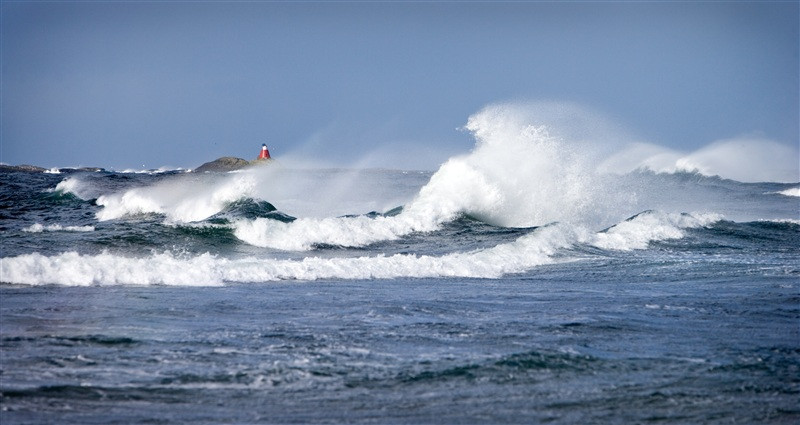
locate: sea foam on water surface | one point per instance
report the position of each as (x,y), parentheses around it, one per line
(107,269)
(519,174)
(539,247)
(38,228)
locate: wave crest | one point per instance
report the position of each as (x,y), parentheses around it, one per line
(518,175)
(638,231)
(544,245)
(188,199)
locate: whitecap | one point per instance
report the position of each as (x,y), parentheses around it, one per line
(639,231)
(39,228)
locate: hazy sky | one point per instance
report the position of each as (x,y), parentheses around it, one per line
(125,84)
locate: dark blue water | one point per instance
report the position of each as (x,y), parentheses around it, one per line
(173,315)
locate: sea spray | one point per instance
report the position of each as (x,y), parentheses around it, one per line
(741,159)
(513,324)
(542,177)
(322,193)
(75,186)
(186,199)
(795,192)
(518,175)
(532,164)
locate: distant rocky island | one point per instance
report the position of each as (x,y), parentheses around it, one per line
(23,167)
(228,163)
(219,165)
(4,168)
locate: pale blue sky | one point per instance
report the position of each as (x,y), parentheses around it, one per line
(126,84)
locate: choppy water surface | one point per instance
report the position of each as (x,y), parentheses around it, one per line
(514,285)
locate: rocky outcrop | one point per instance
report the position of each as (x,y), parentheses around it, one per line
(24,167)
(4,168)
(224,164)
(219,165)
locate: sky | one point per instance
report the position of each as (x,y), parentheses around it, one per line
(119,84)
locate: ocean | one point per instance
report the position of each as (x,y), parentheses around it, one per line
(515,284)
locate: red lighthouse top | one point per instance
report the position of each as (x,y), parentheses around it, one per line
(264,152)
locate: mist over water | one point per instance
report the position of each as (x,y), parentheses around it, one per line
(743,159)
(532,164)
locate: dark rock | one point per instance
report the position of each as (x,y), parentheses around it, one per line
(224,164)
(24,167)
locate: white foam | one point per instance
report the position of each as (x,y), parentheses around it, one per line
(38,228)
(71,185)
(71,268)
(456,188)
(647,227)
(303,233)
(186,199)
(301,193)
(795,191)
(784,220)
(517,176)
(53,170)
(539,247)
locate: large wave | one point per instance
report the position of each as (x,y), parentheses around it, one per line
(518,175)
(522,172)
(556,187)
(541,246)
(795,191)
(179,199)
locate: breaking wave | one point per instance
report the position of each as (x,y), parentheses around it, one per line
(179,200)
(521,173)
(543,245)
(637,232)
(69,185)
(795,191)
(518,175)
(553,191)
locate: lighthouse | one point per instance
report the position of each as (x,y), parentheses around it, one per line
(264,152)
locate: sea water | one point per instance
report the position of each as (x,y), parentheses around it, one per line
(518,283)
